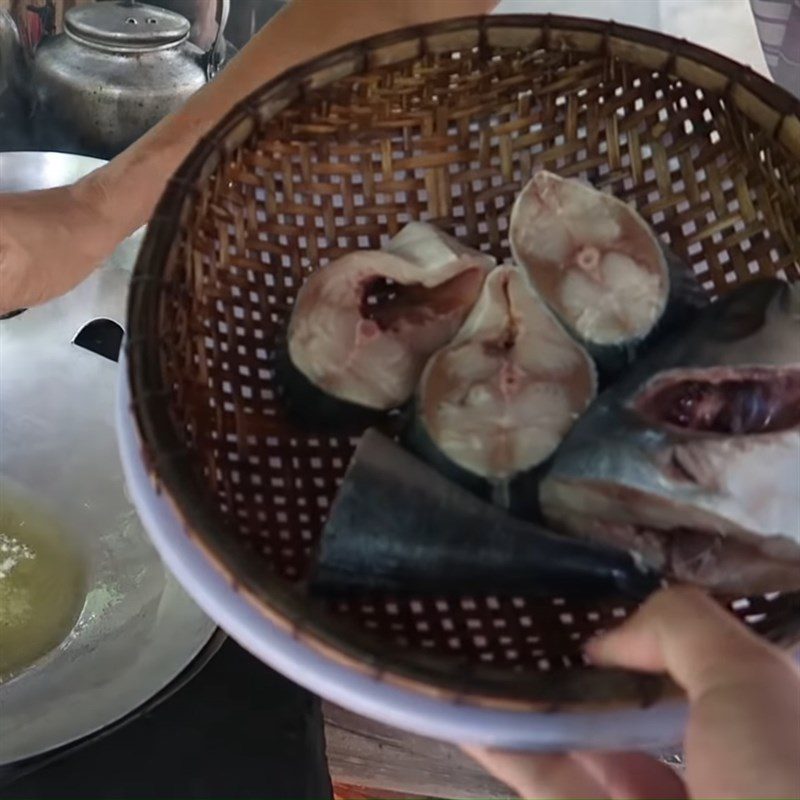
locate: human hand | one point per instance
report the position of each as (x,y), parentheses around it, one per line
(417,12)
(743,735)
(50,240)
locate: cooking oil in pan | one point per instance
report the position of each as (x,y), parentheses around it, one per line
(42,586)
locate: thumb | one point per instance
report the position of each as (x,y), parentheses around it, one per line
(683,632)
(743,735)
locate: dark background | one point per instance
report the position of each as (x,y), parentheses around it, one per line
(236,730)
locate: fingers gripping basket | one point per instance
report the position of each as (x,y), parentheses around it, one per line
(443,124)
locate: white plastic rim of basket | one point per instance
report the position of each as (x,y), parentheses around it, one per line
(655,729)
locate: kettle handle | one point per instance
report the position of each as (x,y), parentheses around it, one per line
(213,57)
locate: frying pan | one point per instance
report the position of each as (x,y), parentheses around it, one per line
(137,629)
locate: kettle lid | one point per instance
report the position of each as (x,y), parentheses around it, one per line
(126,25)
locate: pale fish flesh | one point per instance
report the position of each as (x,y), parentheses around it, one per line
(598,265)
(499,398)
(363,326)
(693,460)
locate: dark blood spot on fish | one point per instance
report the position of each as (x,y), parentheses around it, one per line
(507,341)
(377,294)
(389,304)
(756,401)
(499,347)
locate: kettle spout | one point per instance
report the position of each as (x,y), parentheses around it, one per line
(14,58)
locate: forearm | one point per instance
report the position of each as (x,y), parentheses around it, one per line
(128,188)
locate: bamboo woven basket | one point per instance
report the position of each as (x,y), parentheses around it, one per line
(442,123)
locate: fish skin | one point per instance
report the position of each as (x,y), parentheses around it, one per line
(371,356)
(399,526)
(634,481)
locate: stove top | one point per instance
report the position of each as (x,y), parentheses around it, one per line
(229,727)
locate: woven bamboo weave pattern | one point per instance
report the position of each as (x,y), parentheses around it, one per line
(443,125)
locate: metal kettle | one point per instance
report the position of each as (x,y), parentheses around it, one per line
(117,69)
